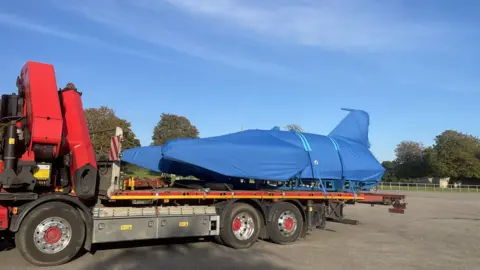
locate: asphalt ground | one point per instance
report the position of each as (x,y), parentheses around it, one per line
(437,231)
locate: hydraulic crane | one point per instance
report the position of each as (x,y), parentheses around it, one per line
(47,137)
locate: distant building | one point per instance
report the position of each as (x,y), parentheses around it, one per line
(441,181)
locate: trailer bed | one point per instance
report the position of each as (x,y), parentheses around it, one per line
(188,194)
(179,194)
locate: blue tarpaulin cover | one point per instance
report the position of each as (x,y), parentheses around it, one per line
(269,154)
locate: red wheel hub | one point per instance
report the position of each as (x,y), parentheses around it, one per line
(288,223)
(53,235)
(237,224)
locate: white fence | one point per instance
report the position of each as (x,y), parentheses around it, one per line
(428,187)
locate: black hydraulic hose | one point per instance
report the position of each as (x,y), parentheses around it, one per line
(9,152)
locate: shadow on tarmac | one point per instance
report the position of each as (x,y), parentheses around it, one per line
(187,253)
(168,254)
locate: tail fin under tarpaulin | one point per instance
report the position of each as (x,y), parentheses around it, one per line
(354,127)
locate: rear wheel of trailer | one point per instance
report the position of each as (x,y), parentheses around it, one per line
(286,224)
(241,226)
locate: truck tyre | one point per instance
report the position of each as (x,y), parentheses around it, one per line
(286,225)
(242,226)
(218,239)
(51,234)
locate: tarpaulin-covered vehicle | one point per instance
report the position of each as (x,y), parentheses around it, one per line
(339,160)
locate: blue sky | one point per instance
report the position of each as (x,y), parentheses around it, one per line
(227,64)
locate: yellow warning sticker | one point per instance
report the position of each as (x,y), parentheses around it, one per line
(183,224)
(127,227)
(11,140)
(42,172)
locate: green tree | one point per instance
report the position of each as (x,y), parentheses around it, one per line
(172,127)
(410,160)
(430,161)
(101,123)
(455,155)
(390,174)
(294,127)
(408,151)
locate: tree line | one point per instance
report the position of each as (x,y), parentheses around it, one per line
(454,154)
(102,120)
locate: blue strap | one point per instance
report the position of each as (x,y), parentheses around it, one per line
(353,191)
(337,147)
(304,140)
(308,149)
(323,189)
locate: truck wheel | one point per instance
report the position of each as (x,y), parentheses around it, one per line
(51,234)
(286,225)
(242,226)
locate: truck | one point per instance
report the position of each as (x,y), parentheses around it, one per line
(58,198)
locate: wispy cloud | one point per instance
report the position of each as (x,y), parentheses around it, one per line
(214,29)
(136,19)
(19,22)
(340,26)
(330,24)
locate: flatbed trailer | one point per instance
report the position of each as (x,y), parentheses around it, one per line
(280,216)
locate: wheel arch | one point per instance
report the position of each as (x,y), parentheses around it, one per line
(83,210)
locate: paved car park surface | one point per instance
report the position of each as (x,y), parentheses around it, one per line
(438,231)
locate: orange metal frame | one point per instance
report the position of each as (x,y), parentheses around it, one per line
(164,193)
(236,194)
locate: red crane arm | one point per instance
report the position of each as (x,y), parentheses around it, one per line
(45,126)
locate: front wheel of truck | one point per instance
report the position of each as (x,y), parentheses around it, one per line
(51,234)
